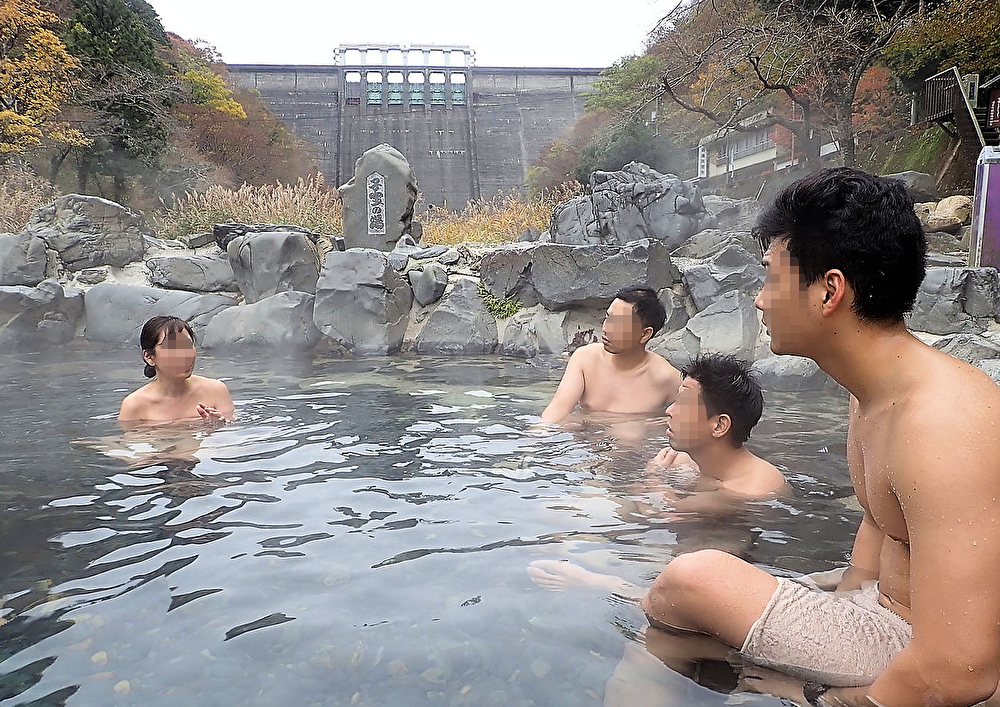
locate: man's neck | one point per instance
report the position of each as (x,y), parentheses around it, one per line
(867,360)
(627,360)
(721,460)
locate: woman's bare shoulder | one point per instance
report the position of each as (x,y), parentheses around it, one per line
(202,383)
(135,403)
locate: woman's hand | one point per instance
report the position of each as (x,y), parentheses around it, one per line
(210,414)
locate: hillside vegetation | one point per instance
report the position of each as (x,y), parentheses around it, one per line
(96,97)
(847,69)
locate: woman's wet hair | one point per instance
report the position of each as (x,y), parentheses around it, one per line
(728,386)
(646,304)
(157,328)
(858,223)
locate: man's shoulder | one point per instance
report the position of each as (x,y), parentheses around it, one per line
(588,353)
(661,367)
(762,479)
(953,395)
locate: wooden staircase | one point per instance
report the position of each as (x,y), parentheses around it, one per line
(944,102)
(991,135)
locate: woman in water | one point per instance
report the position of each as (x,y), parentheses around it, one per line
(174,393)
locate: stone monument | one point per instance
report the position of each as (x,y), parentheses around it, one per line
(379,200)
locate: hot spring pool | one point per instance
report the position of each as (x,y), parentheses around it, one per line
(358,537)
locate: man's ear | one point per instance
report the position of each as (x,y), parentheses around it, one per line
(835,289)
(723,423)
(647,334)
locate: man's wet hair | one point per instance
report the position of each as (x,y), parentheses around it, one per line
(728,386)
(858,223)
(160,326)
(646,304)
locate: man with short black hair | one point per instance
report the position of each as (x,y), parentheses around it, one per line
(915,621)
(619,374)
(719,402)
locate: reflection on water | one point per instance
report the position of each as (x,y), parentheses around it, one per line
(359,536)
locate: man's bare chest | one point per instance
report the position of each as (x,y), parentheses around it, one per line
(623,392)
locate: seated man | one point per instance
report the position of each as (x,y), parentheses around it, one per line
(915,620)
(618,374)
(719,403)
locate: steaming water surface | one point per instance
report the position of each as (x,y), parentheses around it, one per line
(358,537)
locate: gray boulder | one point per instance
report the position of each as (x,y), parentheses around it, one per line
(559,276)
(920,186)
(116,313)
(954,300)
(22,259)
(990,367)
(968,347)
(537,331)
(707,243)
(92,276)
(534,331)
(224,233)
(729,325)
(379,199)
(267,263)
(732,214)
(791,373)
(87,231)
(630,204)
(428,283)
(196,273)
(46,313)
(677,313)
(460,324)
(362,303)
(284,320)
(733,268)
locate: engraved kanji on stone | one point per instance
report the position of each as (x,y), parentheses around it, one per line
(375,190)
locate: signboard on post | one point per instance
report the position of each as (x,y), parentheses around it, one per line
(984,247)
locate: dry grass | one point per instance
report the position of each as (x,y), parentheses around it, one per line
(499,220)
(308,203)
(21,192)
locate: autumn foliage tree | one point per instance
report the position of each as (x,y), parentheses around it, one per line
(233,128)
(801,61)
(962,33)
(37,75)
(126,103)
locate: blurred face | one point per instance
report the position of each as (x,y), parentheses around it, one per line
(173,356)
(785,302)
(622,329)
(688,423)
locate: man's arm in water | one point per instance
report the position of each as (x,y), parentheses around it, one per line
(869,540)
(570,390)
(865,555)
(945,479)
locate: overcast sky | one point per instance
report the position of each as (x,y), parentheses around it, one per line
(584,33)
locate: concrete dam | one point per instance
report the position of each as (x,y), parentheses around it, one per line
(469,132)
